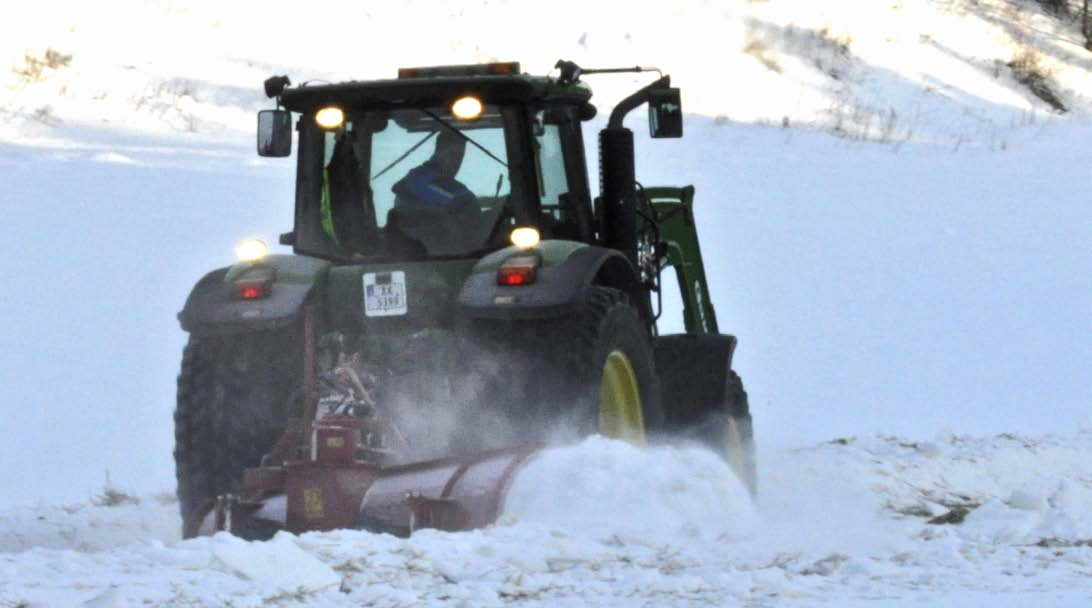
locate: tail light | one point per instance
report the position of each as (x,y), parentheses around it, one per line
(251,292)
(255,283)
(518,270)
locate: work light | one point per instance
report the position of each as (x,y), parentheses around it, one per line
(525,237)
(330,117)
(467,108)
(251,250)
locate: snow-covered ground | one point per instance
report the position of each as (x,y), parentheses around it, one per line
(895,226)
(954,521)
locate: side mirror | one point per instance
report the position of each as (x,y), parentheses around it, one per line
(538,123)
(664,113)
(274,133)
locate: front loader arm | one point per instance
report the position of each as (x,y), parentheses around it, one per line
(678,233)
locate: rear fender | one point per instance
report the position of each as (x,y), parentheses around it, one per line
(213,308)
(568,269)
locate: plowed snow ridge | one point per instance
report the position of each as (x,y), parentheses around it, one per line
(601,523)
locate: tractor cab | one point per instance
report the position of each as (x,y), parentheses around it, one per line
(440,163)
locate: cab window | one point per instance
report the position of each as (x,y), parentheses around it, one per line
(559,171)
(407,184)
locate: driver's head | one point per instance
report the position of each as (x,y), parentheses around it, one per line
(450,148)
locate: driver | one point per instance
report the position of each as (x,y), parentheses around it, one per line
(431,207)
(433,181)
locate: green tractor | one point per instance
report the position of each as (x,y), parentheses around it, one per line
(453,276)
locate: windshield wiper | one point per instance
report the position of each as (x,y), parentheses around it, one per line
(464,136)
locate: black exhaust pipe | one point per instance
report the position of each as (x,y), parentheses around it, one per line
(617,175)
(619,195)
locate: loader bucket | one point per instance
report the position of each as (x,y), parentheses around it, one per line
(451,494)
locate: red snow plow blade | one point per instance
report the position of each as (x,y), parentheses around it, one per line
(338,483)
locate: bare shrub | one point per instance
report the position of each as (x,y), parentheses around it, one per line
(756,48)
(826,51)
(955,516)
(37,68)
(1057,7)
(853,119)
(169,100)
(832,51)
(1071,10)
(114,497)
(1028,72)
(44,115)
(1086,25)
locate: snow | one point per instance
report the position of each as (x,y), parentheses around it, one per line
(91,526)
(603,523)
(591,503)
(277,564)
(897,230)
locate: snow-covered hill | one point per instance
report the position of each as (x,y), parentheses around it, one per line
(955,521)
(954,72)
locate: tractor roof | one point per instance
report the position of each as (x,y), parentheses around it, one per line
(438,86)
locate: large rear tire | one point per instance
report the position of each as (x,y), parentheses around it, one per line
(726,430)
(232,406)
(589,373)
(608,361)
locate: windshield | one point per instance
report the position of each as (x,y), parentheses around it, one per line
(406,184)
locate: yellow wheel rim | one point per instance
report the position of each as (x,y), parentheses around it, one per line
(620,401)
(733,449)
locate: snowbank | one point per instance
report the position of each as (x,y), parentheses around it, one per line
(602,523)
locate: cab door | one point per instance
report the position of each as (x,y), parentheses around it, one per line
(561,175)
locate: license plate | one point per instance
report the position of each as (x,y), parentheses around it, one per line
(384,293)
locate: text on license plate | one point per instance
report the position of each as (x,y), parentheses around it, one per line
(384,293)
